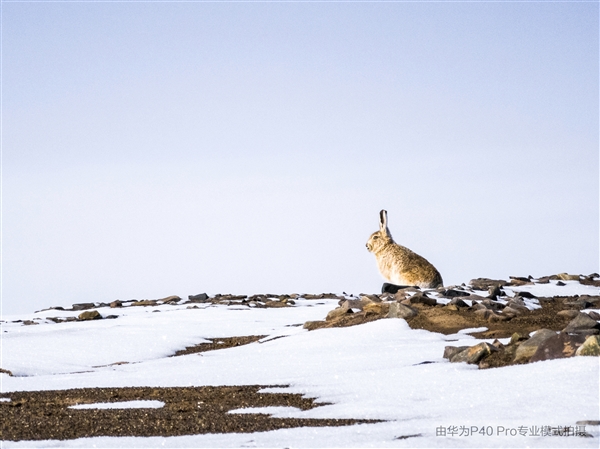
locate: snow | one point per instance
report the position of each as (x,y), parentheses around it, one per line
(119,405)
(371,371)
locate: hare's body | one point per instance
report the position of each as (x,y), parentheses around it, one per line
(398,264)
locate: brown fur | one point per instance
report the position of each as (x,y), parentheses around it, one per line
(398,264)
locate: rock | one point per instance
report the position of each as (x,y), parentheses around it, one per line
(422,298)
(570,314)
(581,322)
(560,284)
(274,304)
(171,299)
(591,346)
(458,303)
(201,297)
(335,313)
(518,281)
(568,277)
(83,306)
(450,293)
(115,304)
(478,306)
(594,315)
(524,294)
(29,322)
(451,351)
(452,307)
(484,284)
(509,311)
(312,325)
(393,288)
(398,310)
(494,291)
(495,318)
(377,308)
(517,337)
(145,302)
(483,313)
(557,347)
(474,354)
(530,346)
(89,315)
(492,305)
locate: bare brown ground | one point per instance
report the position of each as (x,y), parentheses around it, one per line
(41,415)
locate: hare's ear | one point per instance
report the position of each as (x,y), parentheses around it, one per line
(383,221)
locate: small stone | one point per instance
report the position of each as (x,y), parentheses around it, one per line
(201,297)
(530,346)
(451,351)
(458,303)
(495,318)
(312,325)
(145,302)
(452,307)
(474,354)
(450,293)
(524,294)
(581,322)
(274,304)
(171,299)
(89,315)
(392,288)
(594,315)
(398,310)
(560,284)
(570,314)
(509,311)
(29,322)
(338,312)
(517,337)
(484,284)
(83,306)
(381,308)
(492,305)
(483,313)
(422,298)
(115,304)
(568,277)
(591,346)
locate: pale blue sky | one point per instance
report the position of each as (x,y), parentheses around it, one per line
(152,149)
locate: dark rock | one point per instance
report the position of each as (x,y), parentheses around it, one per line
(557,347)
(484,284)
(581,322)
(530,346)
(524,294)
(116,303)
(113,317)
(393,288)
(422,298)
(398,310)
(89,315)
(458,302)
(29,322)
(560,284)
(590,347)
(83,306)
(453,293)
(494,291)
(55,319)
(202,297)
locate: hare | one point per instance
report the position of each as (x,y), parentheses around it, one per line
(399,265)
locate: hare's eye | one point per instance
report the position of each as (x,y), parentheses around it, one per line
(375,237)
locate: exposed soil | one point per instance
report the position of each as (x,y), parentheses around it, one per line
(219,343)
(41,415)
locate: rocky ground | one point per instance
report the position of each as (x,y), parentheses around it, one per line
(539,328)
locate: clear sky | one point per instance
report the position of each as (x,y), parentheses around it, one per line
(151,149)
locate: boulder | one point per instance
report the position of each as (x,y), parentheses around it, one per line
(377,308)
(335,313)
(89,315)
(582,322)
(451,293)
(393,288)
(526,349)
(474,354)
(568,277)
(422,298)
(451,351)
(458,302)
(558,346)
(398,310)
(591,346)
(570,314)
